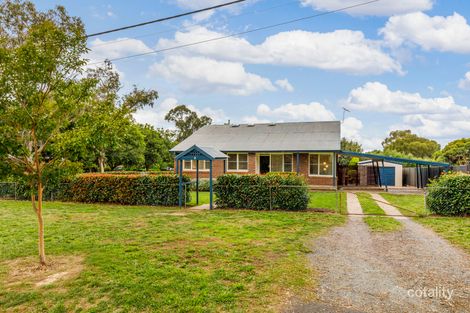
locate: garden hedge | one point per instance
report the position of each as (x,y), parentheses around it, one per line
(124,189)
(450,195)
(272,191)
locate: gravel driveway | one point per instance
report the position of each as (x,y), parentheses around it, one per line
(412,270)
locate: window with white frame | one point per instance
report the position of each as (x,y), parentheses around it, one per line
(237,161)
(281,162)
(190,165)
(320,164)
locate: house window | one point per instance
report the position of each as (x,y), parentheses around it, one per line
(237,161)
(320,164)
(190,165)
(276,163)
(287,162)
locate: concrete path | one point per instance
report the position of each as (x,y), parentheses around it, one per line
(412,270)
(387,207)
(200,207)
(354,207)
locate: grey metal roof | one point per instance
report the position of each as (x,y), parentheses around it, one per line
(201,153)
(300,136)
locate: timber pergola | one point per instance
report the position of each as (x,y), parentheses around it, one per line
(197,154)
(384,158)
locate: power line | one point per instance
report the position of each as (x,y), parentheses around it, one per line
(165,18)
(241,33)
(194,25)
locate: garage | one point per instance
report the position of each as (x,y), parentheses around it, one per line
(390,174)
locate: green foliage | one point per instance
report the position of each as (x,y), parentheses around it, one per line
(124,189)
(349,145)
(403,141)
(455,152)
(450,195)
(186,121)
(158,143)
(272,191)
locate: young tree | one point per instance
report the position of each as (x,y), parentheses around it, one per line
(349,145)
(404,141)
(41,90)
(157,146)
(186,121)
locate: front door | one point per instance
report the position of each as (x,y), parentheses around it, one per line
(264,161)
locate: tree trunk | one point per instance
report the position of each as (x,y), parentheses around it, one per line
(101,160)
(41,246)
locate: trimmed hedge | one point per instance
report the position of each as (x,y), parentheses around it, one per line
(450,195)
(124,189)
(272,191)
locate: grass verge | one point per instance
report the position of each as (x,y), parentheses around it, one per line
(150,259)
(382,224)
(328,200)
(409,205)
(368,204)
(203,198)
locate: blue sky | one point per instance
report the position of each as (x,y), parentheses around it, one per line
(395,64)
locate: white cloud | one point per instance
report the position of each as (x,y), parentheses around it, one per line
(156,116)
(284,84)
(200,4)
(313,111)
(448,34)
(115,48)
(381,8)
(203,74)
(464,83)
(430,117)
(341,50)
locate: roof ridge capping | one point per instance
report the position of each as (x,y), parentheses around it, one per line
(273,123)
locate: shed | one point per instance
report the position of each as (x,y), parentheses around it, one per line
(391,173)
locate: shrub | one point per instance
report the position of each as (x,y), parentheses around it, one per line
(273,191)
(450,195)
(124,189)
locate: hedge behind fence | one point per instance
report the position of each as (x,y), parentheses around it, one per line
(276,192)
(130,189)
(450,195)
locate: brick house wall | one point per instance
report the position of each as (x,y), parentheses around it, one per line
(219,165)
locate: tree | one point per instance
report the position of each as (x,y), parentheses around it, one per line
(349,145)
(404,141)
(103,133)
(186,121)
(456,152)
(41,90)
(158,143)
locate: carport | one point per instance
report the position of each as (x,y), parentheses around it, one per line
(381,171)
(196,153)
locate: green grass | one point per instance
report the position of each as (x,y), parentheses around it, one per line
(382,224)
(203,198)
(409,205)
(328,200)
(149,259)
(454,229)
(369,206)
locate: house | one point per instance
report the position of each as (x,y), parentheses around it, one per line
(307,148)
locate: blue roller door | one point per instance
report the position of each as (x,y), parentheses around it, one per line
(387,175)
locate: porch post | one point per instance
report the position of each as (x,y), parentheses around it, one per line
(335,181)
(210,184)
(383,172)
(297,163)
(378,172)
(197,182)
(180,187)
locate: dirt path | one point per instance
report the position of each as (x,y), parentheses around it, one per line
(360,271)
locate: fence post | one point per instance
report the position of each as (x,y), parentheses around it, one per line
(270,197)
(15,189)
(426,200)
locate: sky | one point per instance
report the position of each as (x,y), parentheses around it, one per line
(393,64)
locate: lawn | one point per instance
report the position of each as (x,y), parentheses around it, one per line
(409,205)
(328,200)
(203,198)
(369,206)
(149,259)
(382,224)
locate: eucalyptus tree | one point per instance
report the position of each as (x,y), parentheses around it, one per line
(42,90)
